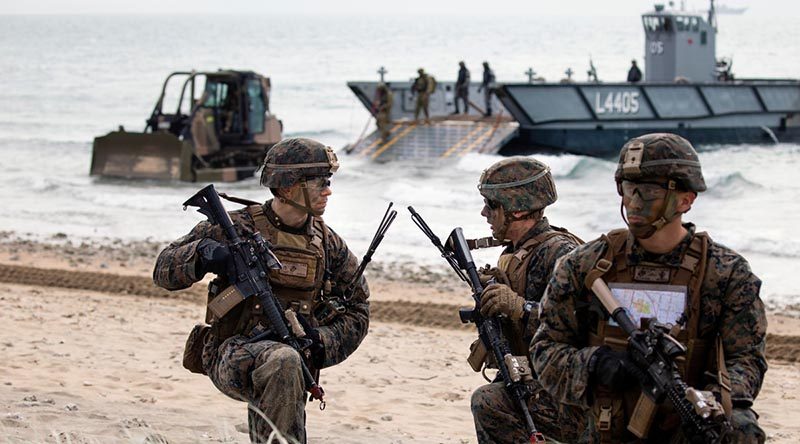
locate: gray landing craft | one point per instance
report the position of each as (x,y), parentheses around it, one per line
(686,90)
(222,135)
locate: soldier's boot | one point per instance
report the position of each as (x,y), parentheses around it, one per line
(278,394)
(745,428)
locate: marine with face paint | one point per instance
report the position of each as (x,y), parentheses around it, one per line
(709,295)
(516,192)
(237,353)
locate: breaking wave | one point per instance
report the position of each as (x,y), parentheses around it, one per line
(579,167)
(733,184)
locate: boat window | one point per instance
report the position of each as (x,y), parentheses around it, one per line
(668,24)
(653,23)
(682,23)
(695,24)
(703,38)
(257,107)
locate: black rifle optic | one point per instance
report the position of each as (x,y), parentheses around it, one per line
(457,254)
(654,351)
(249,274)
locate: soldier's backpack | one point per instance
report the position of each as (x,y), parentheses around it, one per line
(431,84)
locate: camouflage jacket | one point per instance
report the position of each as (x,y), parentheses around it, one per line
(176,269)
(730,306)
(542,261)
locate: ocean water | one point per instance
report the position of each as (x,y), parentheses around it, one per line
(67,79)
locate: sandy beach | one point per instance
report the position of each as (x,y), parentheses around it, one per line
(91,353)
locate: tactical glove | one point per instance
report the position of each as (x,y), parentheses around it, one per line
(488,273)
(613,369)
(499,299)
(214,257)
(317,348)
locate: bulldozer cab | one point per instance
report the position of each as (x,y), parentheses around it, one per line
(219,130)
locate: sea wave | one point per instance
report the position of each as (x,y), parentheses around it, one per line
(733,184)
(320,133)
(580,167)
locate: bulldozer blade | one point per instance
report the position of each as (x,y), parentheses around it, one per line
(158,155)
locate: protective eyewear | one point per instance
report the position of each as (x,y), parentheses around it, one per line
(318,183)
(648,191)
(491,204)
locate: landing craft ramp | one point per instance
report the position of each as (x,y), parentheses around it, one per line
(439,139)
(446,136)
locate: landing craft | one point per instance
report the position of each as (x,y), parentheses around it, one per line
(220,136)
(686,91)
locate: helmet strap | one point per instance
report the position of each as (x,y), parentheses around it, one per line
(667,214)
(509,217)
(305,208)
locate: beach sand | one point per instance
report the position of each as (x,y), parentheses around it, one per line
(91,352)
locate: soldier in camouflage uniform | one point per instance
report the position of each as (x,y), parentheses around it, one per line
(423,88)
(516,192)
(384,98)
(317,269)
(582,359)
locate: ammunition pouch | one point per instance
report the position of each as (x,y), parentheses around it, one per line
(477,355)
(193,351)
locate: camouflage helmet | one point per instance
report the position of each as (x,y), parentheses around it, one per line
(661,156)
(291,160)
(519,184)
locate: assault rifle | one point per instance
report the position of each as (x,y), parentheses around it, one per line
(654,351)
(512,371)
(249,274)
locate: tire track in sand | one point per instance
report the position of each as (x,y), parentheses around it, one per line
(779,347)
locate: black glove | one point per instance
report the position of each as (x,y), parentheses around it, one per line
(317,348)
(214,257)
(613,369)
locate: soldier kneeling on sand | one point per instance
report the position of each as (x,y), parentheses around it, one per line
(516,192)
(317,269)
(703,292)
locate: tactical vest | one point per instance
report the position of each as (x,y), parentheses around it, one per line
(515,265)
(298,284)
(611,411)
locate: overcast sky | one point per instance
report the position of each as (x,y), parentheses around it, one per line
(349,7)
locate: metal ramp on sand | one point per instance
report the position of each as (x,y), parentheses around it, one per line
(438,139)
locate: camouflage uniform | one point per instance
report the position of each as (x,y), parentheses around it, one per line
(528,265)
(266,374)
(383,108)
(729,306)
(422,88)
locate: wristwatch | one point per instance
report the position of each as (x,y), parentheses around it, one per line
(527,308)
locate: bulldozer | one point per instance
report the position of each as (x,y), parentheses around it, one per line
(220,135)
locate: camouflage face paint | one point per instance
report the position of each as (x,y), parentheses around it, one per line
(641,214)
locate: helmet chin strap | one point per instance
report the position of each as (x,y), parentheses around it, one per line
(305,208)
(508,218)
(667,214)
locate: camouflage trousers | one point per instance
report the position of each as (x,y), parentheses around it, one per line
(498,420)
(383,123)
(744,430)
(265,374)
(422,105)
